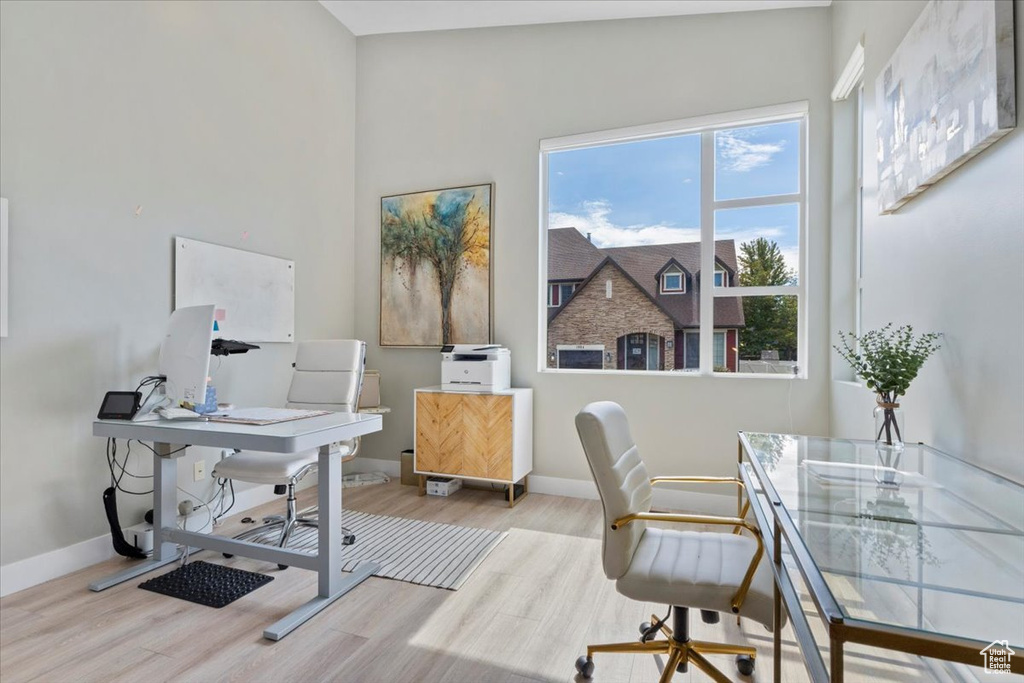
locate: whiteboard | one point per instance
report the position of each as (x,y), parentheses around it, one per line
(254,294)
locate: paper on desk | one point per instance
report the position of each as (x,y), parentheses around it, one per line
(263,416)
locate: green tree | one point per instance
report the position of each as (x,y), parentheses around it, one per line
(771,321)
(448,230)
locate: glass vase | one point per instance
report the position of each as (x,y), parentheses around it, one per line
(888,426)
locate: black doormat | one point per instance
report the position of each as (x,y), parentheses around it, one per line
(208,584)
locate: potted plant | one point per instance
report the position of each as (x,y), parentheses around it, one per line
(888,360)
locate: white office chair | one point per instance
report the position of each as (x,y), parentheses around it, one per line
(328,376)
(715,572)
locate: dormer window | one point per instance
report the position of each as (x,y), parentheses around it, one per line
(673,282)
(721,278)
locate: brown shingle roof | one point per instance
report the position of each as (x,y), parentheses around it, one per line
(570,253)
(571,256)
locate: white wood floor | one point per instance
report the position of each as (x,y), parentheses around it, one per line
(525,615)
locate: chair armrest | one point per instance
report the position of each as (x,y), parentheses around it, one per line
(741,593)
(697,480)
(707,480)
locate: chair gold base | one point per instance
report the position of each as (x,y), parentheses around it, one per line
(678,652)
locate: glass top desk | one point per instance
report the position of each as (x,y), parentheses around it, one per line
(917,552)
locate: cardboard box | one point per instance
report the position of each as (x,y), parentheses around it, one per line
(369,397)
(442,486)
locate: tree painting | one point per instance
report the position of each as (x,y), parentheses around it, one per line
(435,267)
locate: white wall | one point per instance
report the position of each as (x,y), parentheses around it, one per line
(950,261)
(217,119)
(459,107)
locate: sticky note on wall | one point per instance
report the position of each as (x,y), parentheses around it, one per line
(220,314)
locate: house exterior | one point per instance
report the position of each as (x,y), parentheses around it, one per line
(635,308)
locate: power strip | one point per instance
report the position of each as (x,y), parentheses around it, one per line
(140,536)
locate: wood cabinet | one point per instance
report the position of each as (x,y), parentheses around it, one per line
(474,435)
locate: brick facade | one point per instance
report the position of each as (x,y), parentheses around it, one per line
(592,318)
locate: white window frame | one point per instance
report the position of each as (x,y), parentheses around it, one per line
(557,286)
(657,351)
(687,334)
(682,282)
(858,314)
(725,350)
(706,126)
(552,288)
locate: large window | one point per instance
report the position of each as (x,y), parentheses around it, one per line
(686,242)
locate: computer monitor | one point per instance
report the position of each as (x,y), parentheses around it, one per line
(185,354)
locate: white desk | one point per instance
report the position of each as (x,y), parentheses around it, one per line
(319,433)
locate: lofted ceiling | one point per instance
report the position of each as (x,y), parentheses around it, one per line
(369,17)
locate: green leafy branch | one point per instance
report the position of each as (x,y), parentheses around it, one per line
(888,359)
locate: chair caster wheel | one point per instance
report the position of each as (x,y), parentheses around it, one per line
(644,635)
(585,666)
(348,540)
(227,555)
(282,566)
(745,664)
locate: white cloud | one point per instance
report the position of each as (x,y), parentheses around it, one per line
(605,234)
(741,155)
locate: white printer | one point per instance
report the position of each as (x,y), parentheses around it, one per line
(473,367)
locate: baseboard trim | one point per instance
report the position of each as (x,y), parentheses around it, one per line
(690,501)
(392,468)
(32,571)
(676,499)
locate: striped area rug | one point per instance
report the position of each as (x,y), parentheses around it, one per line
(424,553)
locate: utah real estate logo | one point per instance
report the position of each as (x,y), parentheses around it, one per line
(997,657)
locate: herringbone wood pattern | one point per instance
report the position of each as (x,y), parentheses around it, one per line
(487,436)
(439,433)
(467,434)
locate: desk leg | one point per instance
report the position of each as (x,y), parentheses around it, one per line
(835,673)
(331,584)
(165,511)
(777,608)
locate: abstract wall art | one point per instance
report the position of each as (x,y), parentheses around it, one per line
(946,94)
(435,277)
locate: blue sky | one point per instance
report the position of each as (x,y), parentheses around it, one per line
(649,192)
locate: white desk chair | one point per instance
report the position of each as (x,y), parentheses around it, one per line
(328,376)
(715,572)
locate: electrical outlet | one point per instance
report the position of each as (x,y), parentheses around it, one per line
(199,470)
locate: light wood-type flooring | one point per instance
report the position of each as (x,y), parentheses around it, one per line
(524,615)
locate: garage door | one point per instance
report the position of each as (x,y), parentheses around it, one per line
(581,358)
